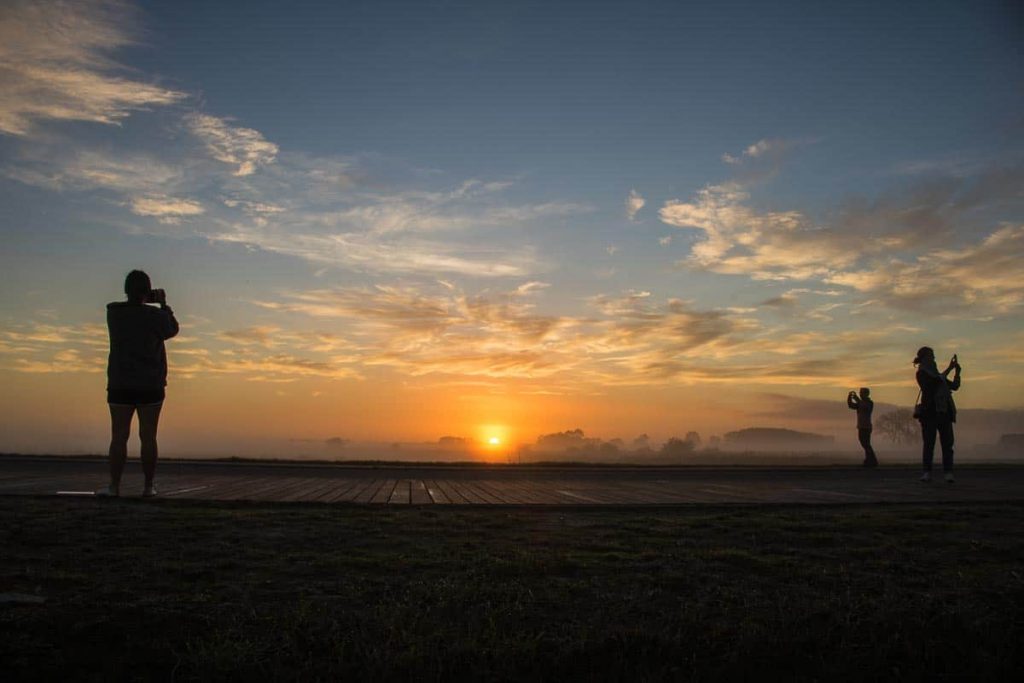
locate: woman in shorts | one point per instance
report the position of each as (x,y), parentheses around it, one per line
(137,374)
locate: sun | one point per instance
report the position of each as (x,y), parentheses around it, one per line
(494,441)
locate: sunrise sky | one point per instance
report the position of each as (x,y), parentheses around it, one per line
(395,221)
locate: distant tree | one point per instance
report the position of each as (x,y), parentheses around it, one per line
(573,439)
(642,443)
(336,442)
(715,441)
(899,426)
(676,448)
(694,438)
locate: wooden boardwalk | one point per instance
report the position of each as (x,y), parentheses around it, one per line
(504,485)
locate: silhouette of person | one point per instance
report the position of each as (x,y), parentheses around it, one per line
(137,374)
(864,407)
(937,411)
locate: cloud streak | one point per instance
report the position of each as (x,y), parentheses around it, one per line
(166,209)
(55,65)
(244,148)
(634,202)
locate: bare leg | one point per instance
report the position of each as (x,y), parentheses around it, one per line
(120,430)
(149,416)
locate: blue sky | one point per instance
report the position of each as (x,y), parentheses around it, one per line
(443,191)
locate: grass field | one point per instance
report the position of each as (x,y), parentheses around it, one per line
(203,590)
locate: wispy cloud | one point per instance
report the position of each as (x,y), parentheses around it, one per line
(56,64)
(759,150)
(634,202)
(916,248)
(242,147)
(366,252)
(630,339)
(986,278)
(166,209)
(764,245)
(58,168)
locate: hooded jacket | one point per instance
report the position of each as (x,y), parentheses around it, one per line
(137,358)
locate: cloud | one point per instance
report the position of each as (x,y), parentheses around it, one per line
(440,331)
(528,288)
(769,245)
(243,147)
(166,209)
(985,277)
(372,254)
(665,241)
(759,150)
(425,212)
(634,202)
(57,168)
(258,335)
(45,348)
(55,65)
(918,247)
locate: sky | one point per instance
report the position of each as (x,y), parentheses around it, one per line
(397,221)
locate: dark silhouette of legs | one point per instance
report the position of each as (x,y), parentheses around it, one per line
(946,438)
(929,427)
(149,417)
(864,435)
(120,430)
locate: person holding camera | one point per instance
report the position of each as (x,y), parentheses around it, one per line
(936,410)
(864,407)
(137,374)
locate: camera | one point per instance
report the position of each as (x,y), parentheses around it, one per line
(156,296)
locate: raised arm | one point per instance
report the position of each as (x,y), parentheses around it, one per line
(954,384)
(170,323)
(852,401)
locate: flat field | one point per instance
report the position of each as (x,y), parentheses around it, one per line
(185,590)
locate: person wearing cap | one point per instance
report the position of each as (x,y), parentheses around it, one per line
(936,410)
(864,407)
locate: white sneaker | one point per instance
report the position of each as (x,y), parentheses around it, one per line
(108,492)
(149,492)
(949,478)
(926,477)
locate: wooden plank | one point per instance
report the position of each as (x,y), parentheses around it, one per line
(348,492)
(436,494)
(402,493)
(295,490)
(383,494)
(453,495)
(467,487)
(331,489)
(234,488)
(366,494)
(505,491)
(418,494)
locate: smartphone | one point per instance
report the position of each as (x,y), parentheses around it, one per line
(155,295)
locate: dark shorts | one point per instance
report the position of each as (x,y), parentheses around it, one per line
(135,397)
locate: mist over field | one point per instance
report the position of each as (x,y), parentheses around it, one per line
(982,435)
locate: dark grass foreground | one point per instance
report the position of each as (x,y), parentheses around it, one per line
(185,591)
